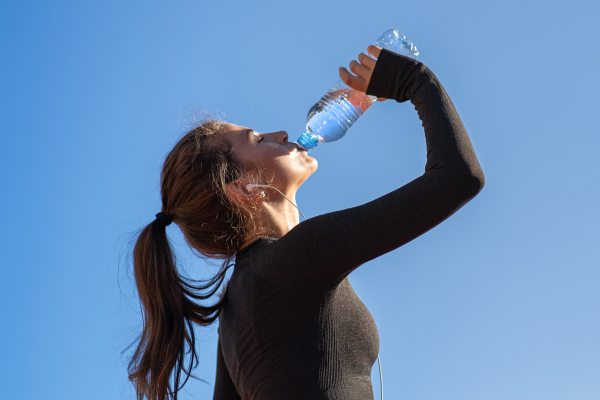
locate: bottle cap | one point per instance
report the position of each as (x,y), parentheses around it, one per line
(308,141)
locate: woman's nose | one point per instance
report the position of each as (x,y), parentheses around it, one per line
(280,137)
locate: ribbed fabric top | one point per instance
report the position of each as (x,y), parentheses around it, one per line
(292,327)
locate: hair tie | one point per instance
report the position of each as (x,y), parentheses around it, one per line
(164,218)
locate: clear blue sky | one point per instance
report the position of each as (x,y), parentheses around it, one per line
(501,301)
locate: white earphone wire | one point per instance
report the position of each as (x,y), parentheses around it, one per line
(380,376)
(250,185)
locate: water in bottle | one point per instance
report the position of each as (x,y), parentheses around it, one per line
(331,117)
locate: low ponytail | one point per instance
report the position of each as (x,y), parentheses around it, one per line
(168,313)
(194,195)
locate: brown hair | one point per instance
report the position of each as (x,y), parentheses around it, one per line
(194,194)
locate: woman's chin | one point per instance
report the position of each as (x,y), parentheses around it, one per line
(313,164)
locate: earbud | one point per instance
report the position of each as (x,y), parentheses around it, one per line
(252,185)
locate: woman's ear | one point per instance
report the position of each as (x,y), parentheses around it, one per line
(239,190)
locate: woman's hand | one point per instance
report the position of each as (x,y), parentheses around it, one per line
(363,68)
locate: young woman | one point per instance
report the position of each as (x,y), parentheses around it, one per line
(290,325)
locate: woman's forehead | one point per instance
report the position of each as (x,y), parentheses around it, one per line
(235,133)
(233,130)
(232,127)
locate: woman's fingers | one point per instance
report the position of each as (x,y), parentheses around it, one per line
(355,82)
(374,50)
(360,70)
(366,61)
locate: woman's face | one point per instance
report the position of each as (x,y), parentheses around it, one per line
(277,158)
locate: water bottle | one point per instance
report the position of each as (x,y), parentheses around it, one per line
(330,118)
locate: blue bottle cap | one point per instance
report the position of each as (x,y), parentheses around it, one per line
(308,141)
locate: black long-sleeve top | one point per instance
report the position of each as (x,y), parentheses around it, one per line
(292,327)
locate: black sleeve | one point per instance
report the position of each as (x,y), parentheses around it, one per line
(224,387)
(320,252)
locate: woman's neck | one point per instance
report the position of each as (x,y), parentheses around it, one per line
(275,218)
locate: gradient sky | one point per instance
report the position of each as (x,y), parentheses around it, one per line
(501,301)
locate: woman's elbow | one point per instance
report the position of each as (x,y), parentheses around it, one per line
(475,182)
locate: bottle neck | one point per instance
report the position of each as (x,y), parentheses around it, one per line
(308,141)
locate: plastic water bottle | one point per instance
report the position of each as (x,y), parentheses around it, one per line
(331,117)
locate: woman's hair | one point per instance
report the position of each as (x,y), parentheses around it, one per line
(194,194)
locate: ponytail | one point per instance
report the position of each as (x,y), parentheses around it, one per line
(214,224)
(168,312)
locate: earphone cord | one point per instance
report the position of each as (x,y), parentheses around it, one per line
(290,202)
(380,376)
(273,187)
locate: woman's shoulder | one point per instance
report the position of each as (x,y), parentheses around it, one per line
(245,251)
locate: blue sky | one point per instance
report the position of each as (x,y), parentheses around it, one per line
(501,301)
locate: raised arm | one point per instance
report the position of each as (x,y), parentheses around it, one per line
(320,252)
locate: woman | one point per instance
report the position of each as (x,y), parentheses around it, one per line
(290,325)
